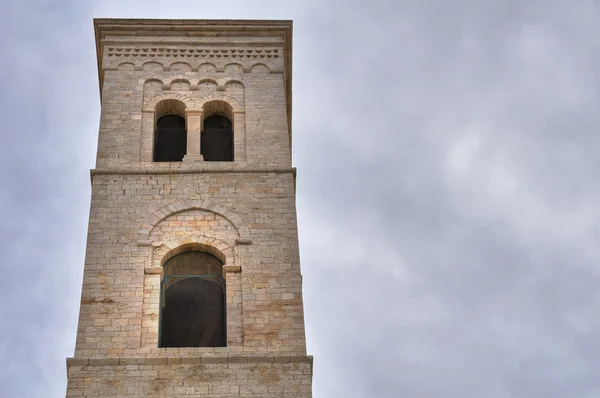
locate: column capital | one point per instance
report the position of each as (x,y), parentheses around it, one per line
(193,112)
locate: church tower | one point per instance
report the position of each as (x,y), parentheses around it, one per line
(192,283)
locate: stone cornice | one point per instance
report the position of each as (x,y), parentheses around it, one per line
(193,50)
(206,358)
(153,170)
(172,31)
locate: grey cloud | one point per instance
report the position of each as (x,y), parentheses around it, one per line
(447,203)
(46,105)
(478,128)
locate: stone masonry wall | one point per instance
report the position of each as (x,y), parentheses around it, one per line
(256,92)
(112,298)
(232,377)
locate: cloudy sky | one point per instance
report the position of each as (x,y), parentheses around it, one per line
(448,158)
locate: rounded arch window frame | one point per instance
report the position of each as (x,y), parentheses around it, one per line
(158,252)
(217,107)
(222,109)
(170,106)
(182,249)
(223,254)
(163,108)
(161,252)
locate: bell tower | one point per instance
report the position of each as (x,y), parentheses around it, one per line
(192,283)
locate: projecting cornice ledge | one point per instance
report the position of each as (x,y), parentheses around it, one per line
(212,358)
(188,170)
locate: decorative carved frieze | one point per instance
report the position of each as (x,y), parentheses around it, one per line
(233,53)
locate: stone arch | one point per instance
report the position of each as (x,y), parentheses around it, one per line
(207,80)
(194,222)
(235,105)
(169,107)
(176,79)
(231,81)
(151,87)
(234,67)
(150,105)
(170,249)
(257,67)
(126,66)
(143,234)
(152,79)
(174,86)
(216,107)
(193,103)
(207,84)
(207,67)
(180,66)
(147,64)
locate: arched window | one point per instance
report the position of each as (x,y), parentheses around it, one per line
(192,302)
(170,138)
(216,139)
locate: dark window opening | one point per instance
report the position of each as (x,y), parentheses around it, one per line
(192,302)
(170,139)
(216,140)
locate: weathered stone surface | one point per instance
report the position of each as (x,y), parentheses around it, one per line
(143,213)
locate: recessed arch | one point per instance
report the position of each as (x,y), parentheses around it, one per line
(234,67)
(207,67)
(234,81)
(144,231)
(153,65)
(207,80)
(150,105)
(126,66)
(181,66)
(235,105)
(172,248)
(217,107)
(152,86)
(169,106)
(178,79)
(152,79)
(193,103)
(260,68)
(180,84)
(209,85)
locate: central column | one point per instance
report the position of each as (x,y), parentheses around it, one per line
(194,126)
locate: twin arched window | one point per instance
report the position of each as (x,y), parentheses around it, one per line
(170,136)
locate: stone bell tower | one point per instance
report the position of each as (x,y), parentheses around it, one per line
(192,284)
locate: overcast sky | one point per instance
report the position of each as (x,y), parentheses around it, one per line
(448,158)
